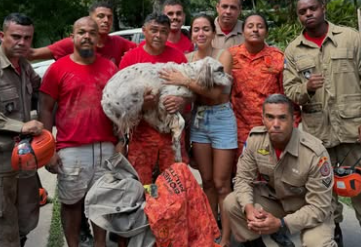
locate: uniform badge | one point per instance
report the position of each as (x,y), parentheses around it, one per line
(263,151)
(325,170)
(325,167)
(285,63)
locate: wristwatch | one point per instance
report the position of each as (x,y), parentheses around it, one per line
(284,227)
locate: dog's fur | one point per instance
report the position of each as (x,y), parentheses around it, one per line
(123,95)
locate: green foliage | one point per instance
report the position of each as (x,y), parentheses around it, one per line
(284,26)
(346,200)
(201,5)
(56,18)
(132,13)
(56,235)
(281,36)
(342,12)
(52,18)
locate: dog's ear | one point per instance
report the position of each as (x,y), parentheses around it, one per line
(205,75)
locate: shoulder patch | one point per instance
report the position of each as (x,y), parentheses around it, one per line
(325,167)
(326,171)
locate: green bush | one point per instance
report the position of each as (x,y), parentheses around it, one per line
(284,27)
(342,12)
(281,36)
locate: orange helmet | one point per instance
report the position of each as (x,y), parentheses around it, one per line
(33,152)
(347,181)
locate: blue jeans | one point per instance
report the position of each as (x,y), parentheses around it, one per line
(215,125)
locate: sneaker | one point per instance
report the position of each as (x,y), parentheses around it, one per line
(86,239)
(338,235)
(282,239)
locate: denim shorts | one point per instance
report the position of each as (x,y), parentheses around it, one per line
(215,125)
(82,166)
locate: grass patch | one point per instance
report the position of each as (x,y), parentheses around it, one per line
(56,235)
(346,200)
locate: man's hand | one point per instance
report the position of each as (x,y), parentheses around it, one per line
(150,100)
(268,225)
(121,147)
(254,213)
(315,82)
(32,127)
(173,103)
(54,164)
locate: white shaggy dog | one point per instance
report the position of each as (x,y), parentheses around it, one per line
(123,95)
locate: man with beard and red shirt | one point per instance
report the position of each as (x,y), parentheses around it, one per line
(84,134)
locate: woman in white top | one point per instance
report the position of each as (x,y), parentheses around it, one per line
(213,131)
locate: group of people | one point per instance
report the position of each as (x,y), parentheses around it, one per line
(283,181)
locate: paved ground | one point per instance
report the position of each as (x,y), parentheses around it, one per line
(38,238)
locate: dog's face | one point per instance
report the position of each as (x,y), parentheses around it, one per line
(212,73)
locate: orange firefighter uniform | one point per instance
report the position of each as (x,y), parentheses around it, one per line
(255,77)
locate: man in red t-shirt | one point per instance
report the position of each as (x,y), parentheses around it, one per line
(175,12)
(84,134)
(147,146)
(109,47)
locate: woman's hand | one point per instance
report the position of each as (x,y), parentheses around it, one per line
(173,77)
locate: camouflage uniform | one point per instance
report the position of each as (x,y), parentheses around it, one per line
(15,101)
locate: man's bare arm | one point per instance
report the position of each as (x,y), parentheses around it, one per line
(40,53)
(47,104)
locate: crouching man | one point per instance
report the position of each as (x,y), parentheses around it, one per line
(284,182)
